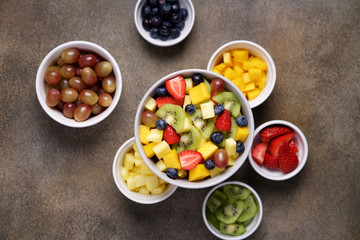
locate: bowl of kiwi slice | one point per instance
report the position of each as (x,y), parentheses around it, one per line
(232,210)
(194,128)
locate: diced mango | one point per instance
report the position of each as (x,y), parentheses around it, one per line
(148,149)
(151,105)
(253,93)
(262,82)
(199,93)
(230,74)
(227,58)
(240,55)
(259,63)
(161,166)
(242,133)
(161,149)
(144,131)
(238,71)
(129,160)
(216,71)
(246,78)
(220,67)
(155,135)
(248,65)
(249,86)
(171,160)
(239,82)
(199,172)
(207,110)
(255,74)
(216,171)
(208,150)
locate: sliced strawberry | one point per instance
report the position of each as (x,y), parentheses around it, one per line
(168,100)
(272,132)
(223,121)
(258,152)
(275,143)
(293,146)
(288,159)
(176,87)
(189,159)
(271,162)
(170,135)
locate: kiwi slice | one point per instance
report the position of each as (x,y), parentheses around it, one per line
(173,115)
(230,102)
(211,217)
(205,126)
(230,213)
(235,192)
(215,200)
(249,210)
(233,229)
(189,140)
(229,134)
(207,85)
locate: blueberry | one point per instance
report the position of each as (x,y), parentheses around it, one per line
(147,23)
(174,32)
(161,92)
(156,21)
(175,18)
(164,31)
(175,7)
(163,38)
(155,11)
(184,13)
(165,9)
(172,1)
(153,3)
(154,33)
(241,121)
(209,164)
(197,78)
(190,109)
(240,147)
(216,137)
(180,25)
(146,10)
(219,109)
(161,124)
(171,173)
(167,24)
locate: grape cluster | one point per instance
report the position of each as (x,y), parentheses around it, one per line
(80,84)
(164,19)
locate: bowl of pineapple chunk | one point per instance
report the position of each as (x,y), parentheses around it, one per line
(249,66)
(135,180)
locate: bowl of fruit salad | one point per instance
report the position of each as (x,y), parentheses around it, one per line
(249,66)
(135,180)
(279,151)
(194,128)
(164,23)
(232,210)
(78,84)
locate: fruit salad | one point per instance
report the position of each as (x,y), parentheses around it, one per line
(231,208)
(247,72)
(193,127)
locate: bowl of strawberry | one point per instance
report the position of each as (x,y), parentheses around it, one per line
(279,150)
(194,128)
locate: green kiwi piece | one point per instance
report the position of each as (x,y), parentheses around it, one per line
(230,213)
(233,229)
(236,192)
(211,217)
(189,140)
(205,126)
(216,200)
(229,134)
(230,102)
(249,210)
(207,85)
(173,115)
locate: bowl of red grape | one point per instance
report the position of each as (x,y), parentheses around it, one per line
(164,23)
(78,84)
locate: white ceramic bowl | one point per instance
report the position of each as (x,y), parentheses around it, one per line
(250,228)
(50,59)
(208,182)
(301,143)
(257,51)
(121,184)
(189,23)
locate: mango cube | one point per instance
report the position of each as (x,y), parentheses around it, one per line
(148,149)
(239,82)
(220,67)
(144,132)
(216,171)
(161,149)
(229,73)
(248,65)
(155,135)
(240,55)
(199,93)
(208,150)
(199,172)
(262,82)
(171,160)
(151,104)
(207,110)
(253,93)
(151,182)
(242,134)
(227,58)
(216,71)
(230,146)
(259,63)
(246,78)
(255,74)
(129,161)
(249,86)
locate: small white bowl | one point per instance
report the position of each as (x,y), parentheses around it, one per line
(250,228)
(208,182)
(257,51)
(50,59)
(301,143)
(121,184)
(189,23)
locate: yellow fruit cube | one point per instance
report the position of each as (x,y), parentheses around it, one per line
(207,110)
(262,82)
(187,125)
(139,180)
(129,161)
(155,135)
(144,132)
(145,170)
(148,149)
(144,191)
(248,65)
(216,71)
(161,181)
(161,166)
(161,149)
(231,161)
(189,84)
(171,160)
(124,173)
(249,86)
(158,190)
(151,105)
(230,147)
(253,93)
(151,182)
(216,171)
(135,147)
(242,133)
(130,182)
(259,63)
(239,82)
(246,78)
(227,58)
(199,93)
(240,55)
(208,150)
(220,67)
(230,74)
(182,173)
(187,101)
(199,172)
(255,74)
(202,142)
(238,71)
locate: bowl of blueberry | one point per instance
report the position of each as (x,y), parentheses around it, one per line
(164,23)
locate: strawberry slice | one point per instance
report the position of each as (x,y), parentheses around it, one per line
(288,159)
(275,143)
(272,132)
(168,100)
(170,135)
(176,87)
(258,152)
(271,162)
(293,146)
(189,159)
(223,121)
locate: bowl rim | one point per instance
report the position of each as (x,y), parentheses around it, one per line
(121,185)
(264,55)
(259,213)
(51,58)
(302,161)
(184,183)
(168,43)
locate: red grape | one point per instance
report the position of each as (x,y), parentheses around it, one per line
(68,71)
(103,68)
(87,60)
(82,112)
(97,108)
(70,55)
(149,118)
(77,84)
(221,158)
(109,84)
(52,97)
(88,76)
(52,75)
(69,110)
(105,99)
(68,95)
(217,85)
(88,97)
(64,83)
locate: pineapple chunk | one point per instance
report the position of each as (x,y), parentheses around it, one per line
(151,182)
(139,180)
(135,147)
(208,150)
(240,55)
(151,105)
(259,63)
(187,101)
(246,78)
(253,93)
(158,190)
(136,170)
(161,149)
(220,67)
(155,135)
(130,182)
(144,191)
(216,171)
(207,110)
(230,146)
(242,133)
(199,93)
(162,181)
(171,160)
(129,160)
(145,170)
(249,86)
(149,149)
(189,84)
(199,172)
(231,161)
(187,125)
(124,173)
(144,132)
(160,165)
(255,74)
(227,58)
(182,173)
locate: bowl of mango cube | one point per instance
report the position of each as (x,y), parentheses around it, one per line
(249,66)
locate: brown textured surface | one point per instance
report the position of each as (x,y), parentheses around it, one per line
(56,182)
